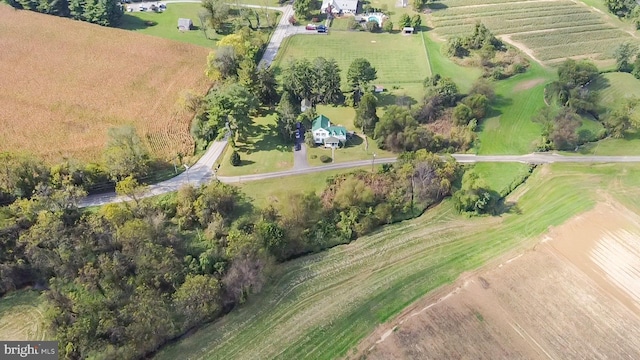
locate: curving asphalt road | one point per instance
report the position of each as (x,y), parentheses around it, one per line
(202,171)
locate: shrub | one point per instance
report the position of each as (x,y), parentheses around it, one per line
(314,156)
(235,158)
(352,24)
(372,26)
(325,159)
(388,26)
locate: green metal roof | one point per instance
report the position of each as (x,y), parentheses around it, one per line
(320,122)
(337,131)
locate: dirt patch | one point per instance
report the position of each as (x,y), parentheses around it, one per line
(575,296)
(526,85)
(521,47)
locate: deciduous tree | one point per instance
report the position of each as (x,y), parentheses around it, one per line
(366,116)
(126,154)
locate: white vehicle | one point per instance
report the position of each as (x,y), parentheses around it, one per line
(142,8)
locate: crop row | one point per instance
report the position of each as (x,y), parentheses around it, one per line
(541,11)
(474,11)
(532,17)
(458,3)
(566,30)
(552,39)
(604,47)
(505,26)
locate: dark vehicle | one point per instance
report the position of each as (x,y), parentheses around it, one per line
(297,147)
(321,27)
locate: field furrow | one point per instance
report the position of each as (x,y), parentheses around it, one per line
(321,305)
(550,30)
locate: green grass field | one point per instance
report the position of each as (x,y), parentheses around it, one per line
(615,86)
(165,24)
(463,76)
(321,306)
(262,151)
(272,192)
(502,177)
(406,62)
(510,129)
(22,316)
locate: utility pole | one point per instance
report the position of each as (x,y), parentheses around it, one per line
(187,167)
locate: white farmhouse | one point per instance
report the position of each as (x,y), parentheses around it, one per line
(327,135)
(340,6)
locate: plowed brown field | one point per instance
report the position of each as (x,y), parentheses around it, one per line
(64,83)
(576,295)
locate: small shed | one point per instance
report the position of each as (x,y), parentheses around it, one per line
(408,30)
(184,24)
(378,89)
(305,105)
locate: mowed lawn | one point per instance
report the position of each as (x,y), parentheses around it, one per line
(262,150)
(509,128)
(614,88)
(550,30)
(356,148)
(64,83)
(272,191)
(165,24)
(22,316)
(398,59)
(321,306)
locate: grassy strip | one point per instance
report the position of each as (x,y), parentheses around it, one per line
(320,306)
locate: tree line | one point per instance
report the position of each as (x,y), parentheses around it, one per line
(101,12)
(123,280)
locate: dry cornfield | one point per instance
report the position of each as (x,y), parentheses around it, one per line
(64,83)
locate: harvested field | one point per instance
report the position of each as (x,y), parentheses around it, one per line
(22,316)
(64,83)
(574,296)
(547,30)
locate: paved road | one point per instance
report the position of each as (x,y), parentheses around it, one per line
(202,172)
(199,173)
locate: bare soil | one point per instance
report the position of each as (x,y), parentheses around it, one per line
(526,85)
(575,295)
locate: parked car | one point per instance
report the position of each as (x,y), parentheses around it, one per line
(162,6)
(324,31)
(321,27)
(297,147)
(142,8)
(310,27)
